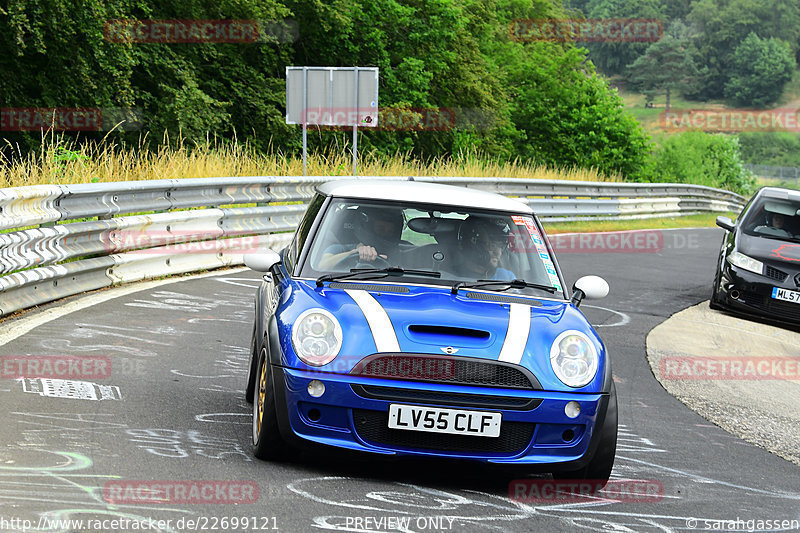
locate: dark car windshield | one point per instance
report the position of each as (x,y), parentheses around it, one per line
(461,244)
(774,218)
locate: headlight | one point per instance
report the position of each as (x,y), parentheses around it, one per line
(316,337)
(574,358)
(745,262)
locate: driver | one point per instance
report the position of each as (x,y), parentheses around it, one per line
(776,226)
(378,231)
(482,242)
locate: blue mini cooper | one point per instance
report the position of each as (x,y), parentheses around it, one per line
(419,319)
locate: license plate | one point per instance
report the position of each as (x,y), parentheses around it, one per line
(436,420)
(786,295)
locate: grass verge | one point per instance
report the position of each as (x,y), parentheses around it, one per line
(64,162)
(705,220)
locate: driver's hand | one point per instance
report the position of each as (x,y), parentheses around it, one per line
(366,253)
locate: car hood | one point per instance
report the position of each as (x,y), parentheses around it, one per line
(431,320)
(771,250)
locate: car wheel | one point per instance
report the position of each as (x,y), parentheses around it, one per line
(714,302)
(250,388)
(599,469)
(267,441)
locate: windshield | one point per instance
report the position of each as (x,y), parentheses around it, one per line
(774,218)
(460,244)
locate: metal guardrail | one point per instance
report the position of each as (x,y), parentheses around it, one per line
(51,251)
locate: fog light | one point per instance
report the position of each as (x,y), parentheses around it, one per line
(572,409)
(316,388)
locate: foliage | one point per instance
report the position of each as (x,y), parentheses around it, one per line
(723,24)
(613,57)
(570,116)
(704,159)
(760,70)
(780,149)
(64,161)
(666,67)
(452,54)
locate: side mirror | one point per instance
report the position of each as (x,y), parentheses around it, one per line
(262,261)
(593,287)
(725,223)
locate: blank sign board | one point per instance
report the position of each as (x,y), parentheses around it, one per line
(332,96)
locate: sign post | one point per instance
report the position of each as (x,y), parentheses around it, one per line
(332,96)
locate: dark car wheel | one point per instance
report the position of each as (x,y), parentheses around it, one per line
(599,469)
(714,303)
(267,441)
(250,388)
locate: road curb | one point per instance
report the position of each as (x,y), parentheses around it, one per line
(710,361)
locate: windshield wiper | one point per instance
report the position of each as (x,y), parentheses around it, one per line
(380,272)
(512,284)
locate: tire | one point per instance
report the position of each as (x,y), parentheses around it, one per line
(713,303)
(267,440)
(250,388)
(599,469)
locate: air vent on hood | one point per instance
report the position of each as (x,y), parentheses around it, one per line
(450,331)
(368,287)
(503,298)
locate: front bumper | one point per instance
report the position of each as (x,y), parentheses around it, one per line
(352,414)
(746,292)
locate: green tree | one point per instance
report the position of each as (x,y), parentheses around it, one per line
(761,68)
(704,159)
(569,115)
(666,67)
(613,57)
(778,148)
(55,54)
(723,24)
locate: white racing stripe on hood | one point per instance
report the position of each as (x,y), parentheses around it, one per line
(519,325)
(378,320)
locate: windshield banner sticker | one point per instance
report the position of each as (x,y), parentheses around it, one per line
(540,247)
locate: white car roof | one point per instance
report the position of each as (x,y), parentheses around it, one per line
(417,191)
(778,192)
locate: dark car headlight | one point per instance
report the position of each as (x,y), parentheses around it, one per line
(574,358)
(316,337)
(746,262)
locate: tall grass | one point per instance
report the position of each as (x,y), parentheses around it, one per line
(62,162)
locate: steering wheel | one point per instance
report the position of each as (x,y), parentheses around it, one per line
(354,261)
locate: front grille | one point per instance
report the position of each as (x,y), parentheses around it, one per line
(445,369)
(373,427)
(774,273)
(752,299)
(787,310)
(771,307)
(484,401)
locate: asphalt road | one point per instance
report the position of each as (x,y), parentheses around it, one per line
(162,405)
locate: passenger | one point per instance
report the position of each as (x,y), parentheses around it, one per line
(483,243)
